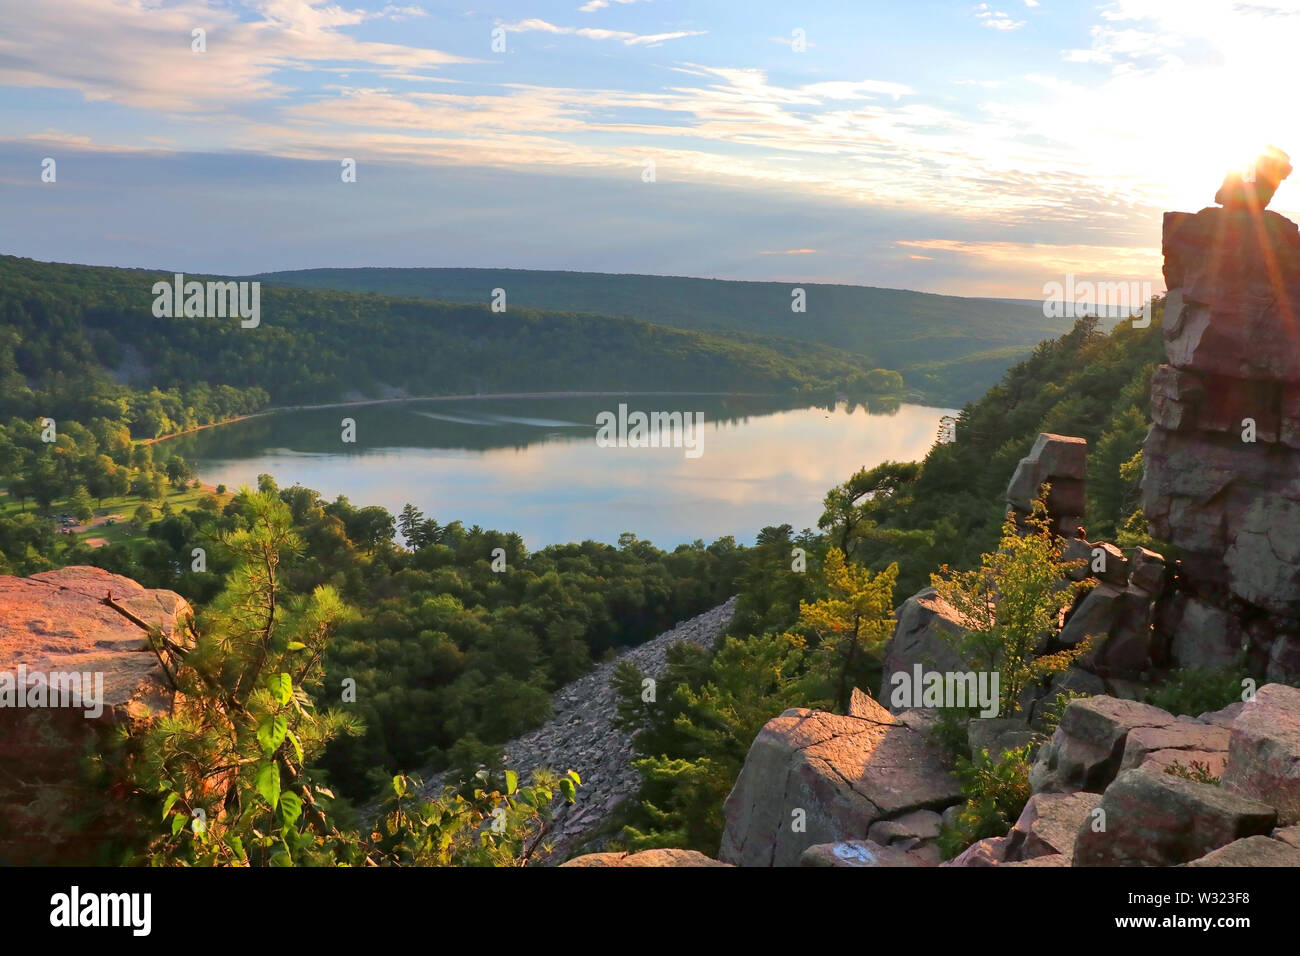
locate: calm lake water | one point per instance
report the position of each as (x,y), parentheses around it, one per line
(534,466)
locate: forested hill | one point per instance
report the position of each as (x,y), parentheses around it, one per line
(952,348)
(66,329)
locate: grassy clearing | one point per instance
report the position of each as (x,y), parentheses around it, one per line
(120,531)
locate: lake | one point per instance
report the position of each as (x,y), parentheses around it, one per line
(542,467)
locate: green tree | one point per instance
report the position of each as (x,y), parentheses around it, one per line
(81,505)
(851,624)
(1011,603)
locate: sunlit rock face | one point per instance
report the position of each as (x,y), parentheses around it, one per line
(1222,462)
(85,631)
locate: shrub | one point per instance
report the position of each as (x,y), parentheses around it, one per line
(1195,690)
(996,792)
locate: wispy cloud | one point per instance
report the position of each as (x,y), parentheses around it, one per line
(596,33)
(593,5)
(996,19)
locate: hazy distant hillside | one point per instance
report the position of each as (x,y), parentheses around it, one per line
(63,328)
(893,328)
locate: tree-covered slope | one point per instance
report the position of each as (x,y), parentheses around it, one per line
(948,508)
(894,328)
(62,327)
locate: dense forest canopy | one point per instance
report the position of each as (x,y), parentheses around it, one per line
(951,348)
(72,330)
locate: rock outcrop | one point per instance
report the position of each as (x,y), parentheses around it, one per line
(1222,460)
(925,634)
(92,627)
(815,778)
(1264,751)
(653,858)
(1061,462)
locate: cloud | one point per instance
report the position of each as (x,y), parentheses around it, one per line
(593,5)
(1085,261)
(996,19)
(594,33)
(787,252)
(136,53)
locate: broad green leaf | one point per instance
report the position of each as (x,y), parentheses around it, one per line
(268,784)
(168,803)
(574,775)
(297,747)
(178,821)
(568,789)
(399,785)
(290,807)
(270,733)
(296,646)
(512,781)
(281,687)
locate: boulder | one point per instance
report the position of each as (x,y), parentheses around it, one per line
(1051,859)
(811,777)
(1288,835)
(989,852)
(1223,718)
(1095,615)
(1049,825)
(1108,563)
(1057,460)
(665,857)
(1264,751)
(1190,739)
(1157,819)
(1087,748)
(55,624)
(1252,851)
(927,629)
(1211,762)
(1129,645)
(919,825)
(1147,571)
(1078,554)
(858,853)
(1252,191)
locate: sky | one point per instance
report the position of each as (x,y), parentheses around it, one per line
(965,148)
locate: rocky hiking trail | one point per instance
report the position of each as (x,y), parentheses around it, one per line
(582,736)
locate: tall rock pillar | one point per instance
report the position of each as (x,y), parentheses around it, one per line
(1222,462)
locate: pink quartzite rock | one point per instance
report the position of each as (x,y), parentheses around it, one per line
(1252,851)
(1087,748)
(655,858)
(812,777)
(1264,751)
(57,622)
(1157,819)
